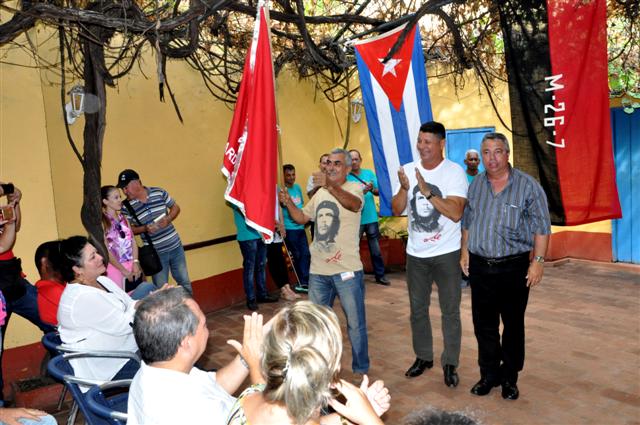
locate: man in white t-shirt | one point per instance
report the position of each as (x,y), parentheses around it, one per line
(171,332)
(433,191)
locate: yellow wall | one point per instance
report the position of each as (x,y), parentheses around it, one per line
(24,160)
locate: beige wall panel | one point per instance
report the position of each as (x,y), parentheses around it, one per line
(470,106)
(307,124)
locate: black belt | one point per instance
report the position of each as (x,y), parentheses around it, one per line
(500,260)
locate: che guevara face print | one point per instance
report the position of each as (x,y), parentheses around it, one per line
(424,217)
(327,225)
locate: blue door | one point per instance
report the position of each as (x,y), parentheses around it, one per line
(626,147)
(459,141)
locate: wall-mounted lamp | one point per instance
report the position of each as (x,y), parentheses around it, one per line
(356,110)
(75,108)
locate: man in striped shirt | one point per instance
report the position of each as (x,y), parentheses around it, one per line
(505,233)
(155,211)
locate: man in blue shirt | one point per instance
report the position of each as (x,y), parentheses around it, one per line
(369,221)
(472,161)
(254,260)
(296,238)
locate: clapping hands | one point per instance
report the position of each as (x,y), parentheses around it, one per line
(364,405)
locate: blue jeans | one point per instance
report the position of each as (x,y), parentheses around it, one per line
(323,290)
(254,259)
(177,262)
(144,289)
(27,307)
(298,245)
(373,234)
(42,420)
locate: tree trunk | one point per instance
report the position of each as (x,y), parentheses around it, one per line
(94,128)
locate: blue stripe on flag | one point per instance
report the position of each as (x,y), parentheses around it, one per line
(404,142)
(420,78)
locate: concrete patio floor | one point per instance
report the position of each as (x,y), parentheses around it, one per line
(583,350)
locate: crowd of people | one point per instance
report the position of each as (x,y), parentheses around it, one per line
(492,226)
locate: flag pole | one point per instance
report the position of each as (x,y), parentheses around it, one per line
(265,4)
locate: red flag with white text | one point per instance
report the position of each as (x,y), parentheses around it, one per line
(556,56)
(250,157)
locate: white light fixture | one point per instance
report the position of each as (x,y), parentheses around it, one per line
(356,110)
(75,108)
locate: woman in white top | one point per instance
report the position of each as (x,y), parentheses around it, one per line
(94,313)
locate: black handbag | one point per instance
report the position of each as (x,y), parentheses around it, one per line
(130,285)
(149,259)
(11,283)
(147,254)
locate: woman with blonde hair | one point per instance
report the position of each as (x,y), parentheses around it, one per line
(300,365)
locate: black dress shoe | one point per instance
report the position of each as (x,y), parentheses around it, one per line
(451,378)
(483,387)
(252,305)
(268,299)
(510,391)
(383,281)
(418,367)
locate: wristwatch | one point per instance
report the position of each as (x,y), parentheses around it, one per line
(539,258)
(430,196)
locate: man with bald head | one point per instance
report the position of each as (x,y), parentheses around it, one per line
(171,332)
(369,220)
(472,161)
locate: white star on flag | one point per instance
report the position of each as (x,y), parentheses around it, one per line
(390,66)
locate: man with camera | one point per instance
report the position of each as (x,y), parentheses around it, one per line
(21,297)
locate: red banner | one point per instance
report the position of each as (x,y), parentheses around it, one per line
(250,157)
(579,114)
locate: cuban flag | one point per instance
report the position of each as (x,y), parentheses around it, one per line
(396,102)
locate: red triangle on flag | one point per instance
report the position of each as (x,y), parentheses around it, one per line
(392,76)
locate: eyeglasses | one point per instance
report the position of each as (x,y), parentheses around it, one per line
(120,231)
(473,159)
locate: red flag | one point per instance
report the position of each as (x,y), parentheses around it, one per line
(580,115)
(250,156)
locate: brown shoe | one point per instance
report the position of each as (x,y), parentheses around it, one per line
(288,294)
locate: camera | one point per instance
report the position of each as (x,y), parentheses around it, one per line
(7,213)
(7,188)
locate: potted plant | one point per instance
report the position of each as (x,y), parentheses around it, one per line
(393,240)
